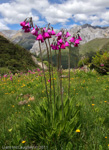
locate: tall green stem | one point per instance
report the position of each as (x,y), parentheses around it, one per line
(61,92)
(43,70)
(69,71)
(49,69)
(52,69)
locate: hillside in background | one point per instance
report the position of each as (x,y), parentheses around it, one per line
(25,40)
(95,45)
(28,41)
(14,57)
(88,49)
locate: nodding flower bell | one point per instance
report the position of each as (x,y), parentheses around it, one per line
(75,45)
(67,34)
(79,38)
(62,46)
(59,34)
(72,40)
(53,32)
(40,37)
(60,41)
(66,44)
(45,35)
(26,27)
(49,32)
(76,41)
(23,23)
(34,32)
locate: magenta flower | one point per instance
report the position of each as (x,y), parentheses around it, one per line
(75,45)
(53,32)
(59,37)
(34,32)
(26,29)
(53,47)
(49,32)
(11,78)
(77,41)
(62,46)
(46,35)
(48,80)
(101,65)
(66,44)
(44,28)
(39,37)
(27,25)
(60,41)
(79,38)
(23,23)
(29,71)
(59,34)
(5,75)
(38,69)
(67,34)
(72,40)
(42,40)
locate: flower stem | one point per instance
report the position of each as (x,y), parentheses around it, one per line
(49,69)
(69,71)
(52,69)
(61,92)
(43,70)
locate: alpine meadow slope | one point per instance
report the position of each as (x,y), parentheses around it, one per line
(14,57)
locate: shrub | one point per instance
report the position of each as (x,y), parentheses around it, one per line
(4,70)
(100,62)
(84,61)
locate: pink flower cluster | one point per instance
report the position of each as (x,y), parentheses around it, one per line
(5,75)
(25,26)
(11,78)
(61,41)
(101,65)
(44,33)
(40,33)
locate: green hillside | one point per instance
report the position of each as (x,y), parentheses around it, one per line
(88,49)
(94,45)
(74,57)
(14,57)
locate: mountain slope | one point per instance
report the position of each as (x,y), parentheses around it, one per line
(14,57)
(95,45)
(27,40)
(88,49)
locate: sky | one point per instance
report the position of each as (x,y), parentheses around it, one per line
(59,13)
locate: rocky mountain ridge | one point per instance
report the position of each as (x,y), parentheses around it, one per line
(27,40)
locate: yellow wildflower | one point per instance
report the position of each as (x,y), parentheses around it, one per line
(77,130)
(93,104)
(23,142)
(105,101)
(9,130)
(105,137)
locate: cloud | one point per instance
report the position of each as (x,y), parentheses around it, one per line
(82,11)
(3,25)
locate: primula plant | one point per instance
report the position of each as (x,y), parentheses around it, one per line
(60,118)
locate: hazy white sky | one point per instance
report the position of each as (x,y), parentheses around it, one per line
(60,13)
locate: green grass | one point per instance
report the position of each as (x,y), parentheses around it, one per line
(88,90)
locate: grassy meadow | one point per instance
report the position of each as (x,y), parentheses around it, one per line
(25,92)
